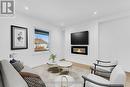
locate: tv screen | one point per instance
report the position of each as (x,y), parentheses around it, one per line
(80,38)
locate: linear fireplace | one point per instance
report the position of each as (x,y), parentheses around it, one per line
(79,50)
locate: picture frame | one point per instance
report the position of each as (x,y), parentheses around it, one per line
(19,38)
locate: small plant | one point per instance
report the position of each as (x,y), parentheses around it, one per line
(52,57)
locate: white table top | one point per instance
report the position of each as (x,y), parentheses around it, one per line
(64,64)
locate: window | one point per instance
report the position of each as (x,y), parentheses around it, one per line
(41,40)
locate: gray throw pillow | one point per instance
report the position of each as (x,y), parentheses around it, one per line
(18,66)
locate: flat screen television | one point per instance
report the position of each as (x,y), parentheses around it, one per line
(80,38)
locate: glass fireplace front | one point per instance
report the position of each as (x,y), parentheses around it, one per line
(79,50)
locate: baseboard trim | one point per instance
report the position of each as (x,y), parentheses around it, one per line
(80,65)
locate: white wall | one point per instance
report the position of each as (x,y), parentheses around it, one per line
(109,40)
(92,47)
(114,40)
(28,56)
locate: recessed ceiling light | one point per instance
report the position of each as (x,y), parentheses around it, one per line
(26,8)
(95,13)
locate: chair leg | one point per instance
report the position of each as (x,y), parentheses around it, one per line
(84,83)
(91,71)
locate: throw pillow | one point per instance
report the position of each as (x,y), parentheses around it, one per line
(27,74)
(18,66)
(32,80)
(13,61)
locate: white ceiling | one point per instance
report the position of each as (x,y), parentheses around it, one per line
(68,12)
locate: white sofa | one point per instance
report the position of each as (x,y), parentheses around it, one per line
(9,76)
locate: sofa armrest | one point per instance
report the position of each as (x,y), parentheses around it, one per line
(103,61)
(104,65)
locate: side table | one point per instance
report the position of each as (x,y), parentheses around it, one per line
(53,68)
(64,65)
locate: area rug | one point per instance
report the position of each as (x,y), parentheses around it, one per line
(49,77)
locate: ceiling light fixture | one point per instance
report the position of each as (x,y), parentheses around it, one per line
(95,13)
(26,8)
(62,24)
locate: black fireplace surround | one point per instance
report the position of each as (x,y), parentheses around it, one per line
(79,50)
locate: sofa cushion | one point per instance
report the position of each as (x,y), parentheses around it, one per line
(27,74)
(18,66)
(118,75)
(32,80)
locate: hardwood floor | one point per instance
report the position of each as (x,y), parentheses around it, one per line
(127,80)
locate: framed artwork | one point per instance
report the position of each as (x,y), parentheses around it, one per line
(19,38)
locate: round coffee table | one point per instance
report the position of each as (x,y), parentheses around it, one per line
(64,81)
(64,64)
(53,68)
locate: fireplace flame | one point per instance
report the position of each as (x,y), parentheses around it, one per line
(79,50)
